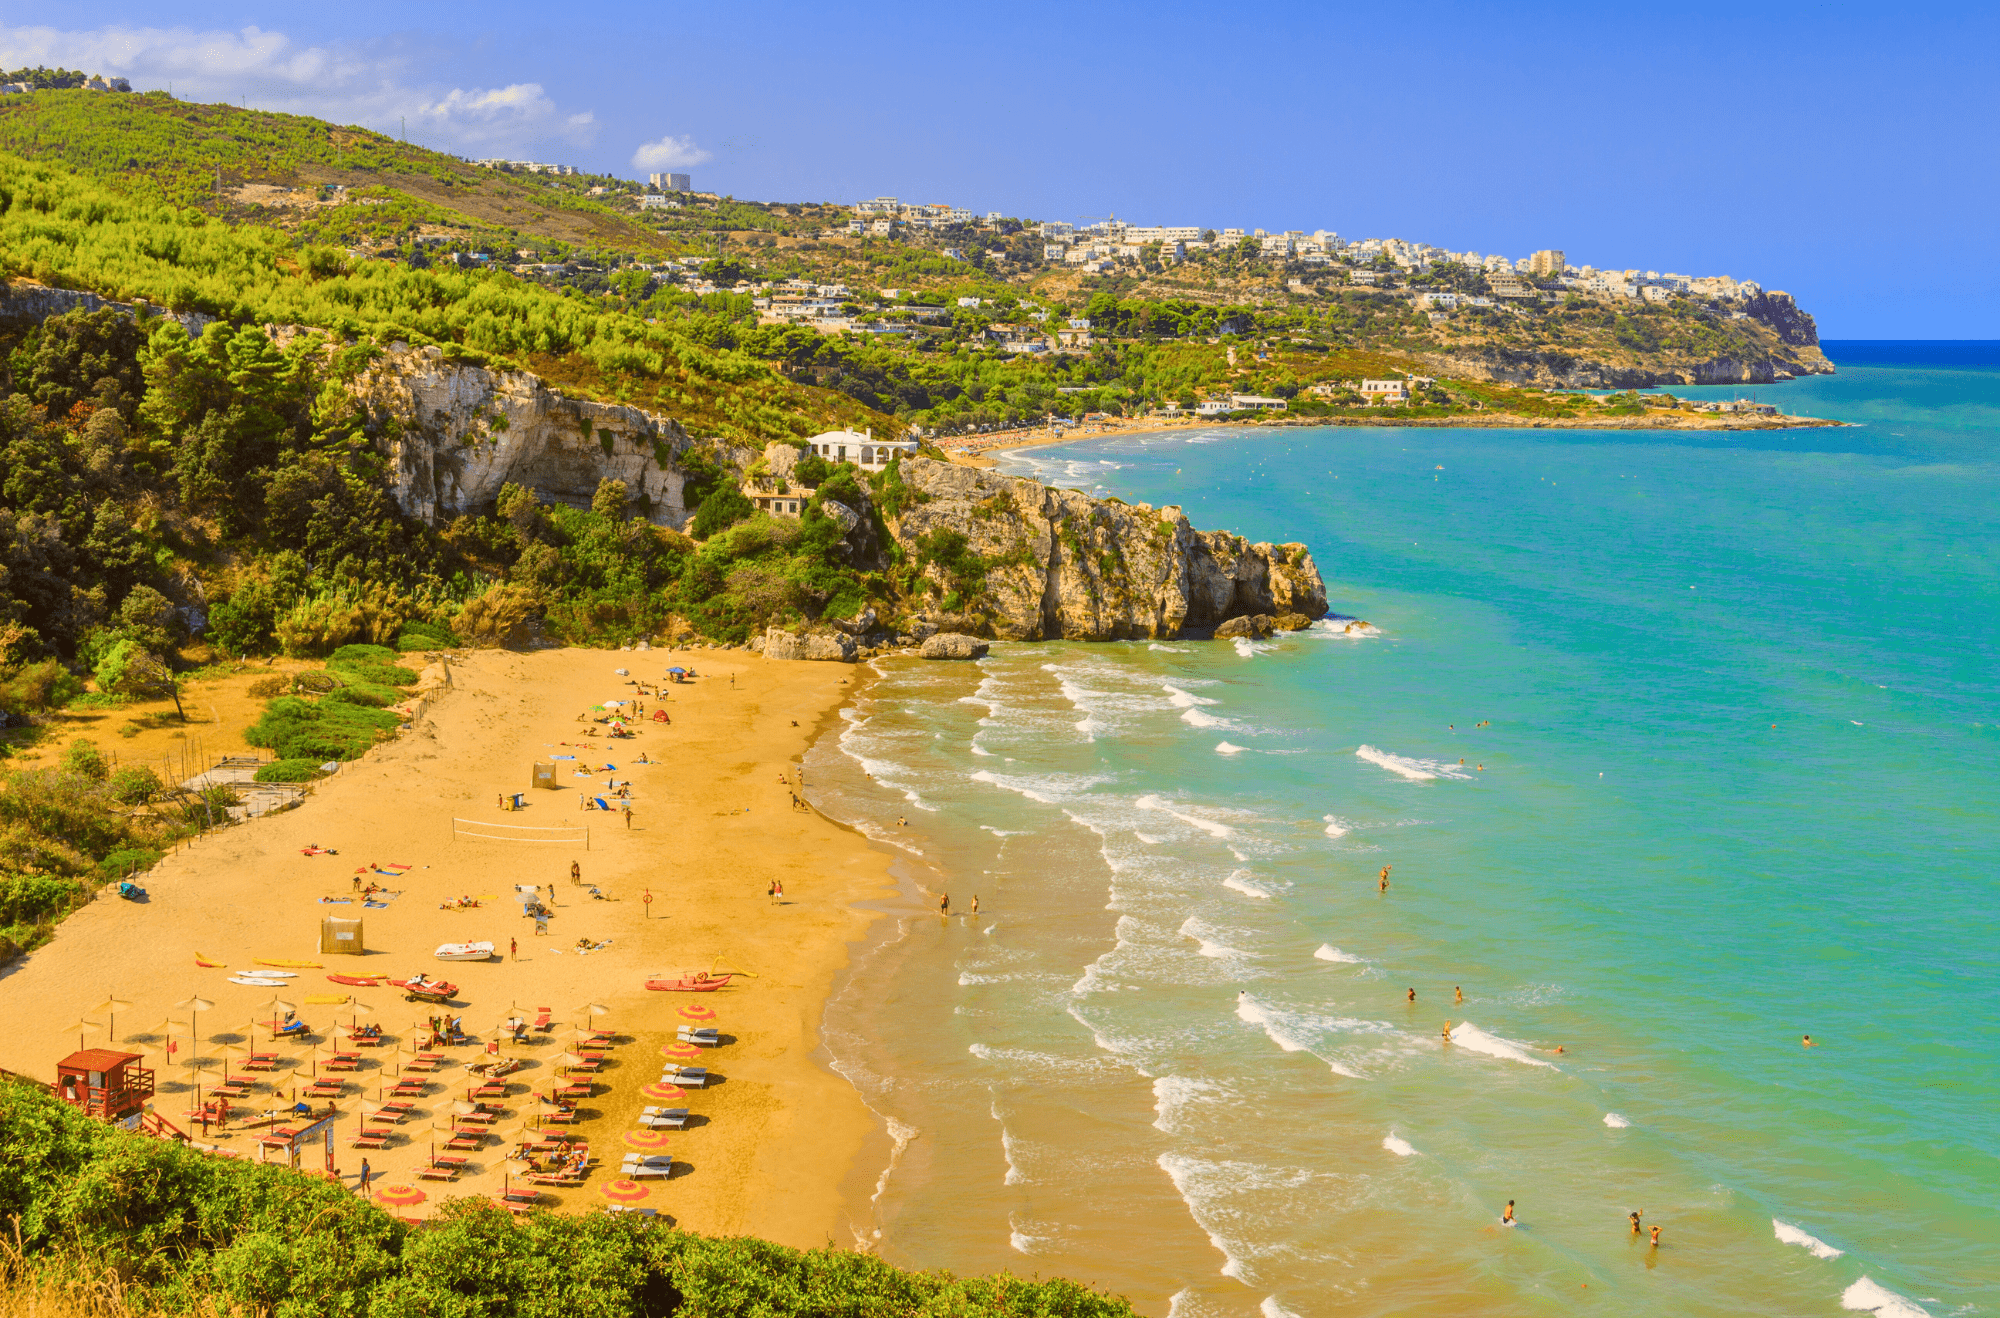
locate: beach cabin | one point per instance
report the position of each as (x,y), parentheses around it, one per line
(340,937)
(104,1084)
(792,503)
(545,775)
(863,450)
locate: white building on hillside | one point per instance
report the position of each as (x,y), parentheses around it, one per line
(863,450)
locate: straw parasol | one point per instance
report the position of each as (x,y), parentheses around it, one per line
(82,1027)
(591,1011)
(401,1196)
(226,1051)
(111,1006)
(625,1192)
(567,1060)
(510,1168)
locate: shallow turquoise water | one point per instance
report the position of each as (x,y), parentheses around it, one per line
(1727,711)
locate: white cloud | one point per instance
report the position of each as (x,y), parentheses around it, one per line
(668,152)
(349,83)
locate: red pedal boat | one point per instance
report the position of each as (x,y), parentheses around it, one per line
(422,988)
(699,982)
(359,981)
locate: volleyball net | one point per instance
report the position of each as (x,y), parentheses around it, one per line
(479,829)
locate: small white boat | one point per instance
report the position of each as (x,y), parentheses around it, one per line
(465,952)
(256,981)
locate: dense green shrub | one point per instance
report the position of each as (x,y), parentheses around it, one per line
(301,729)
(183,1230)
(290,771)
(134,784)
(82,758)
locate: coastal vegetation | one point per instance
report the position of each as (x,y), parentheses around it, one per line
(177,1231)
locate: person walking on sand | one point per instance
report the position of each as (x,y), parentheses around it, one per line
(575,872)
(780,886)
(357,883)
(513,949)
(771,892)
(628,814)
(366,1172)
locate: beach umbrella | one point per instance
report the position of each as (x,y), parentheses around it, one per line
(401,1196)
(111,1006)
(591,1011)
(567,1060)
(653,1140)
(356,1010)
(82,1027)
(663,1091)
(226,1051)
(680,1052)
(513,1167)
(625,1192)
(696,1011)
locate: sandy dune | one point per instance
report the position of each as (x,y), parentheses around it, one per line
(712,826)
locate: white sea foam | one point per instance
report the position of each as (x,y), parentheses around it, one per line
(1227,748)
(1868,1297)
(1415,770)
(1336,826)
(1472,1039)
(977,749)
(1196,718)
(1811,1244)
(1397,1145)
(1289,1030)
(1214,828)
(1090,727)
(1173,1094)
(1012,785)
(1167,649)
(1148,839)
(1328,952)
(1003,832)
(1343,629)
(1200,932)
(1026,1241)
(1180,699)
(1616,1122)
(1244,647)
(1186,1173)
(1239,880)
(900,1135)
(1015,1176)
(1270,1308)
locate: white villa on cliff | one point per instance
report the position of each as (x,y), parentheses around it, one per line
(863,450)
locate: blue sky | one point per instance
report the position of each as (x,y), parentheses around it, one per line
(1844,153)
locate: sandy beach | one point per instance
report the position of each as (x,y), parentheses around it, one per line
(713,824)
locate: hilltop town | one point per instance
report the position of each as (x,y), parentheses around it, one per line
(956,324)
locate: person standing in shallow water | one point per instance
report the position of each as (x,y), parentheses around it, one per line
(1382,880)
(1508,1216)
(944,904)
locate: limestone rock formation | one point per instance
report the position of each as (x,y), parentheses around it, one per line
(954,645)
(454,434)
(1060,564)
(1255,626)
(781,644)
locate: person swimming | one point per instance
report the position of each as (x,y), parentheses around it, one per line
(1806,1042)
(1413,995)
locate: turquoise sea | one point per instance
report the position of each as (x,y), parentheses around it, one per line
(1680,747)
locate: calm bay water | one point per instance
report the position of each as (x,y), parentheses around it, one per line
(1680,748)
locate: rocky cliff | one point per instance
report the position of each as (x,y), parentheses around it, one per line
(1056,563)
(454,434)
(1060,564)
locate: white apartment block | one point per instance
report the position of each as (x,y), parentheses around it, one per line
(672,182)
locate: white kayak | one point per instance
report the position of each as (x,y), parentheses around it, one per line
(465,952)
(256,981)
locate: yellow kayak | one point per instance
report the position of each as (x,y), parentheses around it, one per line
(326,999)
(297,965)
(208,963)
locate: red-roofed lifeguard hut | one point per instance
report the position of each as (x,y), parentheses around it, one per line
(109,1085)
